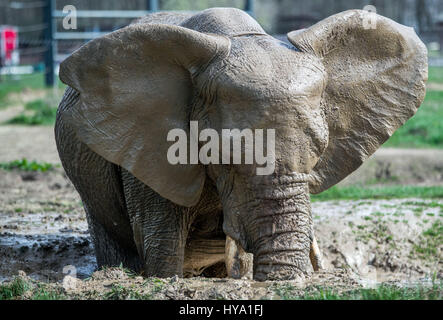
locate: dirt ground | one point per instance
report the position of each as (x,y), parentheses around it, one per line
(43,234)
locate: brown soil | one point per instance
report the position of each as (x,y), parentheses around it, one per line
(115,283)
(30,142)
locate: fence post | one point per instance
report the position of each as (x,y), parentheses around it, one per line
(49,43)
(152,5)
(249,7)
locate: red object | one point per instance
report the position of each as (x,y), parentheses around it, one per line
(9,43)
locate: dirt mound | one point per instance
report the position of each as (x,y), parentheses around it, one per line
(118,284)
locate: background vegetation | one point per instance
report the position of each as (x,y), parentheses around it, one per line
(425,129)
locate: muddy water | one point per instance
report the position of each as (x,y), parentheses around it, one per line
(43,230)
(46,257)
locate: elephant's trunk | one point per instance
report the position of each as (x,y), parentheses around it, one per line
(279,231)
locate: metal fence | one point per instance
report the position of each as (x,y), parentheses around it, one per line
(43,44)
(53,46)
(54,57)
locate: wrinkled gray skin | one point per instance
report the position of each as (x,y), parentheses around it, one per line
(333,99)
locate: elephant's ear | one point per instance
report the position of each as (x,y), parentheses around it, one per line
(375,83)
(135,86)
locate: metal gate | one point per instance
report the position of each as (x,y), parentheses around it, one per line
(52,36)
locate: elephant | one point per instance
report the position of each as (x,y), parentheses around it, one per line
(334,93)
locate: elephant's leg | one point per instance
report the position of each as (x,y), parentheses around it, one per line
(110,251)
(315,255)
(99,184)
(160,228)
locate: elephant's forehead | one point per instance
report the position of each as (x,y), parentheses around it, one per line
(269,70)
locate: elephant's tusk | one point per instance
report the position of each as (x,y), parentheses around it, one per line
(238,262)
(315,255)
(230,257)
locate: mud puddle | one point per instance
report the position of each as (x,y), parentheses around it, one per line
(46,257)
(43,230)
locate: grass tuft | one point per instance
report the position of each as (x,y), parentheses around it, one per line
(26,165)
(381,292)
(37,112)
(42,293)
(120,292)
(384,192)
(15,289)
(430,242)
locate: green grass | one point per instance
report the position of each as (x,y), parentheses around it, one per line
(425,128)
(120,292)
(381,292)
(37,112)
(430,242)
(421,205)
(385,192)
(14,289)
(26,165)
(9,85)
(157,284)
(435,74)
(42,293)
(18,287)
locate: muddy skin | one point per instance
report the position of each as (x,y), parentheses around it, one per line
(220,68)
